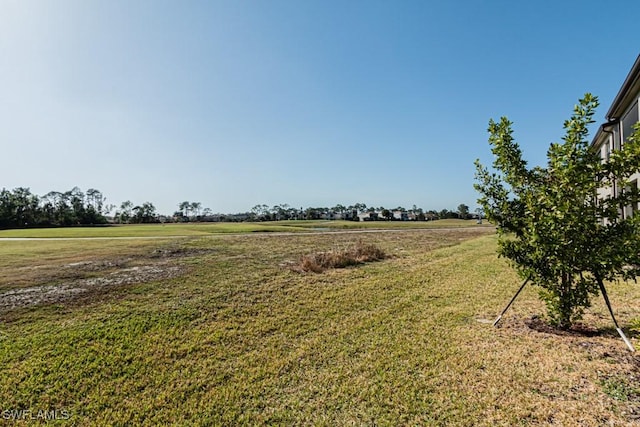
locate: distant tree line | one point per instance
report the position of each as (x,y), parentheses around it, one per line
(193,211)
(353,212)
(19,208)
(128,213)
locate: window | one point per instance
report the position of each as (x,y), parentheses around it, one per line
(606,150)
(630,210)
(634,207)
(616,138)
(629,119)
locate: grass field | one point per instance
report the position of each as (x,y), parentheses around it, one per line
(203,229)
(236,336)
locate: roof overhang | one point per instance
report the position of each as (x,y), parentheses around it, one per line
(627,92)
(600,136)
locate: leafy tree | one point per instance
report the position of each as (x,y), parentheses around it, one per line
(125,213)
(340,210)
(463,211)
(21,208)
(444,214)
(260,212)
(360,207)
(145,213)
(553,227)
(313,213)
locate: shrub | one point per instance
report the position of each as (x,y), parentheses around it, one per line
(553,227)
(340,258)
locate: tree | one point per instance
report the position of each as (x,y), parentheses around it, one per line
(124,215)
(144,214)
(553,227)
(260,212)
(195,208)
(340,210)
(95,199)
(26,205)
(444,214)
(19,208)
(185,207)
(360,207)
(463,211)
(94,207)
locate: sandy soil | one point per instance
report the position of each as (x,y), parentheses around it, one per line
(82,279)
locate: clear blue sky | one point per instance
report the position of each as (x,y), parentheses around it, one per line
(311,103)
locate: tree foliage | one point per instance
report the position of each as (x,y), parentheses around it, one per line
(20,208)
(463,211)
(553,227)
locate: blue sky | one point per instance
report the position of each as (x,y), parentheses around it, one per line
(309,103)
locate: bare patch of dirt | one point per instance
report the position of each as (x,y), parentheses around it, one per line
(51,284)
(49,294)
(537,323)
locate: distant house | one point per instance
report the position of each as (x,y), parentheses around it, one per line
(621,117)
(400,216)
(369,216)
(335,216)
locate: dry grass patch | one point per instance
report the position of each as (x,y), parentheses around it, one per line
(359,253)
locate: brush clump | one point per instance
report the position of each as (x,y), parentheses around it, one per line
(359,253)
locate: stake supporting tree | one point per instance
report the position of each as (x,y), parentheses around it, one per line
(495,323)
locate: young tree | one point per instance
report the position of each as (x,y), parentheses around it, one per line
(553,227)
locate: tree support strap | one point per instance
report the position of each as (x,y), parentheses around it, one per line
(615,322)
(511,302)
(603,290)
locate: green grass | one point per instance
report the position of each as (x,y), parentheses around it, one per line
(143,230)
(242,339)
(202,229)
(383,225)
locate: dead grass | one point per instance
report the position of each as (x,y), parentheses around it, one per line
(359,253)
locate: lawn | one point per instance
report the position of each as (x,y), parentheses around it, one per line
(144,230)
(238,336)
(203,229)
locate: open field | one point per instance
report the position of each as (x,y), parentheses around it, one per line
(203,229)
(224,331)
